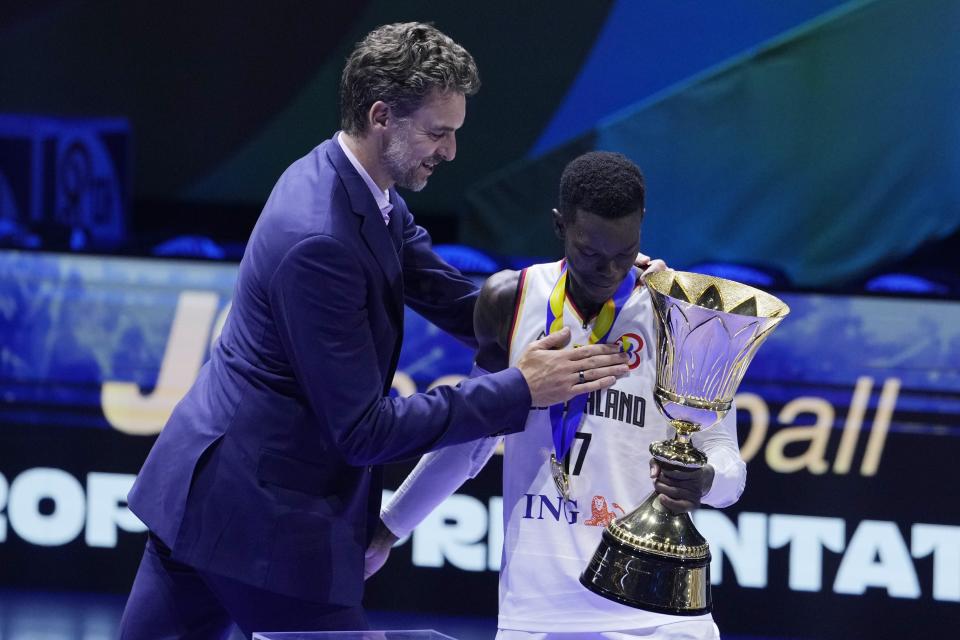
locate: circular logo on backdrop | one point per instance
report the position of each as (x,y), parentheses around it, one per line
(632,345)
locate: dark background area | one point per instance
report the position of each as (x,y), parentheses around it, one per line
(205,83)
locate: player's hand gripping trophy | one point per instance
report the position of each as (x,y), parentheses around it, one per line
(709,331)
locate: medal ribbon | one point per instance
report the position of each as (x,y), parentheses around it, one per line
(565,418)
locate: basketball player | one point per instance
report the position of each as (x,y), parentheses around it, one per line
(561,491)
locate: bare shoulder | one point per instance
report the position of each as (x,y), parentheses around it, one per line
(500,288)
(494,313)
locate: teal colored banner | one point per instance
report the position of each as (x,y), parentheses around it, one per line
(825,153)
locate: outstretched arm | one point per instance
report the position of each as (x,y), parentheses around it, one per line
(319,302)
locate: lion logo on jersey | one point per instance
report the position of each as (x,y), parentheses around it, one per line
(600,514)
(632,345)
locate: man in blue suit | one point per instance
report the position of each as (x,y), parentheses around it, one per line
(263,490)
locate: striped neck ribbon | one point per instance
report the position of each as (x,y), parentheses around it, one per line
(565,418)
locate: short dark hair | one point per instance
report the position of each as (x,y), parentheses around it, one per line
(603,183)
(401,64)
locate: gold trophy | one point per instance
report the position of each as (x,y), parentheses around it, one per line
(709,331)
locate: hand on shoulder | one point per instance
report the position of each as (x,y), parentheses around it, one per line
(648,265)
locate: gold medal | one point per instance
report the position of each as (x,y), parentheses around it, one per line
(560,477)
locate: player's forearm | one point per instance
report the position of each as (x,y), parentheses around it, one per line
(723,454)
(729,479)
(435,478)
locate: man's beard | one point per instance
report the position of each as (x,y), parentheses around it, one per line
(401,164)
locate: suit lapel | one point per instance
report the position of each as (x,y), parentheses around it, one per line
(374,232)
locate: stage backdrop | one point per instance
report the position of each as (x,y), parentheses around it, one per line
(849,422)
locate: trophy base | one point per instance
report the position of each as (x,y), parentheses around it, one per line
(647,581)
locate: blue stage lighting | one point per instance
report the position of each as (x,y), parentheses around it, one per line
(466,259)
(190,247)
(906,283)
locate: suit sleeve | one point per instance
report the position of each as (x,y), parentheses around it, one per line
(723,453)
(317,296)
(433,288)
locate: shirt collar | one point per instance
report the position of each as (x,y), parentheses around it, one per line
(382,197)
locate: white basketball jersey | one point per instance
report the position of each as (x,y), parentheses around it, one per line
(547,542)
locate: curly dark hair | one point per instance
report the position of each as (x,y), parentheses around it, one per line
(401,64)
(604,183)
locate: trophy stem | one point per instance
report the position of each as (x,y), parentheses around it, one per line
(680,451)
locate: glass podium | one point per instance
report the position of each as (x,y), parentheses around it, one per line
(352,635)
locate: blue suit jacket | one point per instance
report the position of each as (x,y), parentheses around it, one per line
(267,470)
